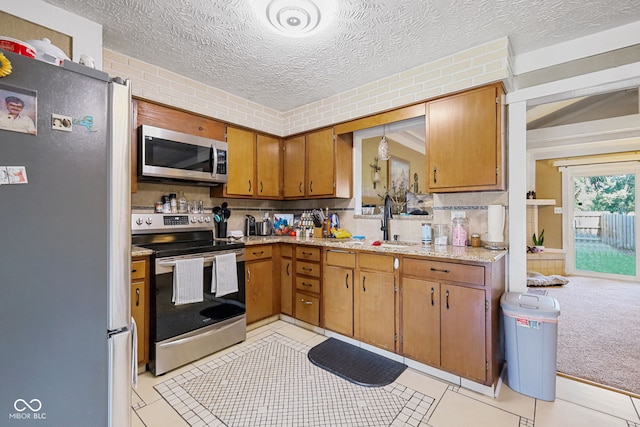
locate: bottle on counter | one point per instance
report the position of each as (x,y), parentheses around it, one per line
(166,204)
(326,224)
(182,203)
(173,203)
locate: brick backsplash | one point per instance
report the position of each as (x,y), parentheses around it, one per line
(473,67)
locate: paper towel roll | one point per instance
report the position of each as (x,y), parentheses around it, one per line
(495,226)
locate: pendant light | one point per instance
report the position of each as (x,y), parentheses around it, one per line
(383,146)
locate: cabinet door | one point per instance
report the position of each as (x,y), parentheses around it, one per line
(268,171)
(286,286)
(138,298)
(242,163)
(463,331)
(421,320)
(376,309)
(320,163)
(337,299)
(294,167)
(259,288)
(463,142)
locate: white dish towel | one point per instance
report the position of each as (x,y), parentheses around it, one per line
(224,280)
(187,281)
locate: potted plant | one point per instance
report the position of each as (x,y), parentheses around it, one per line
(538,242)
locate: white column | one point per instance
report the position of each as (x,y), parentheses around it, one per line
(517,136)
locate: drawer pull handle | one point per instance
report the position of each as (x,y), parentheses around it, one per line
(447,300)
(257,253)
(441,271)
(307,269)
(307,253)
(346,280)
(307,284)
(134,271)
(433,291)
(137,297)
(306,302)
(363,288)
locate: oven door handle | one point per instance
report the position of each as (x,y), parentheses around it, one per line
(207,262)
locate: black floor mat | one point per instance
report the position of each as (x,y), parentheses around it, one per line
(355,364)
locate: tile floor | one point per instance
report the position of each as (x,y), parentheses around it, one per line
(314,397)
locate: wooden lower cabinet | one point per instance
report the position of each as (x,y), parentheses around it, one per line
(375,301)
(260,292)
(286,280)
(449,316)
(421,320)
(308,274)
(308,308)
(337,299)
(140,294)
(463,332)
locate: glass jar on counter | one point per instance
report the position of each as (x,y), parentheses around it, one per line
(459,231)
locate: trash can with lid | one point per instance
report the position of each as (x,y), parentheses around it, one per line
(531,338)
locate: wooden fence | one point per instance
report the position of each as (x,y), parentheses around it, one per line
(615,230)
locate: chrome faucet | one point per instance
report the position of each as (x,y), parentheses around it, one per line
(386,216)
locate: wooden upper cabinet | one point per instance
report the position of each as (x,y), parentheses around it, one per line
(320,160)
(294,167)
(242,162)
(268,169)
(465,144)
(254,164)
(318,165)
(149,113)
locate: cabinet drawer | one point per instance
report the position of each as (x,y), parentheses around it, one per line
(307,253)
(286,250)
(340,258)
(308,309)
(308,268)
(308,284)
(138,269)
(438,270)
(258,252)
(376,262)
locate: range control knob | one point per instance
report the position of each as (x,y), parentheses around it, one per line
(207,219)
(139,221)
(149,221)
(200,219)
(193,219)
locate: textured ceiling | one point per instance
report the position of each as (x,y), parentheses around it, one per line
(223,44)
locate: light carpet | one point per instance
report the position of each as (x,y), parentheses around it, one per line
(599,331)
(270,382)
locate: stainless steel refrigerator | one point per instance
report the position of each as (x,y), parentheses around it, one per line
(65,323)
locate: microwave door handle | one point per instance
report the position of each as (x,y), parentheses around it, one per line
(214,159)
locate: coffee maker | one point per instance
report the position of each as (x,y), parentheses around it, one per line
(250,226)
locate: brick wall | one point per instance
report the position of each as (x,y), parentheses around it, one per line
(482,64)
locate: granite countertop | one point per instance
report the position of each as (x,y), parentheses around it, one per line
(464,253)
(138,251)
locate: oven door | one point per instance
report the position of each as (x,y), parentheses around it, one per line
(172,320)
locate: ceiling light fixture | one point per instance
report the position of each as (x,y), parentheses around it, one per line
(295,18)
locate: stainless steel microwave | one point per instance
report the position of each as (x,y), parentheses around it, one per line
(166,154)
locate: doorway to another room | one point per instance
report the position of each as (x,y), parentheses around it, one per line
(600,221)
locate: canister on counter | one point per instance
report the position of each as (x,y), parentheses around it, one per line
(158,207)
(426,234)
(475,240)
